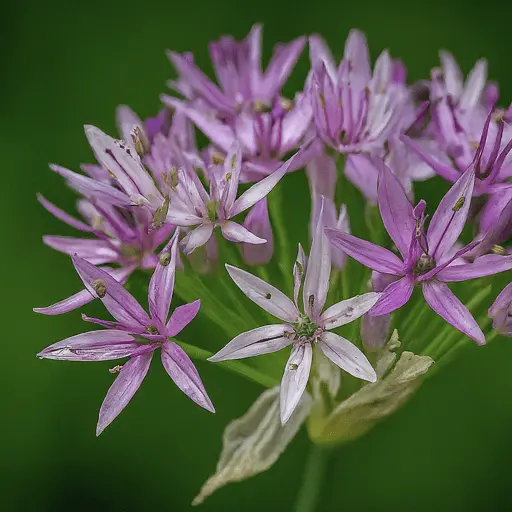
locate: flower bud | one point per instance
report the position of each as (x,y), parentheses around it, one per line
(258,222)
(501,312)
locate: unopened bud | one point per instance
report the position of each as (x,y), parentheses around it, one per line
(375,331)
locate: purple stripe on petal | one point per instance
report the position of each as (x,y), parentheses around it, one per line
(181,317)
(368,254)
(441,299)
(394,296)
(92,346)
(184,374)
(122,390)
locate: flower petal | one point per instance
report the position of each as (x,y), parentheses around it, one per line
(295,379)
(299,268)
(394,296)
(451,214)
(348,310)
(441,299)
(347,356)
(181,317)
(265,295)
(184,374)
(63,216)
(93,250)
(259,190)
(196,238)
(93,189)
(92,346)
(120,303)
(259,341)
(161,285)
(395,209)
(318,273)
(366,253)
(486,265)
(122,390)
(237,233)
(257,222)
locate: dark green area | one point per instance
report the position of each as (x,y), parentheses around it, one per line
(66,64)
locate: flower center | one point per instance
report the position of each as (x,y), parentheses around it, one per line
(305,328)
(424,264)
(211,208)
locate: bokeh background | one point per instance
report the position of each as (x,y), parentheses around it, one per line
(69,63)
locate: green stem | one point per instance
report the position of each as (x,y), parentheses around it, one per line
(309,494)
(233,366)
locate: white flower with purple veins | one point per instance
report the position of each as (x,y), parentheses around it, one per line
(301,330)
(191,205)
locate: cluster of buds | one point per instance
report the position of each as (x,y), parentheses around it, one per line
(152,203)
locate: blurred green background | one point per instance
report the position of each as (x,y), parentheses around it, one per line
(66,64)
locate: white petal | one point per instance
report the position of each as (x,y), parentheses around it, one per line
(295,379)
(347,356)
(299,268)
(236,233)
(348,310)
(265,295)
(316,283)
(197,237)
(262,340)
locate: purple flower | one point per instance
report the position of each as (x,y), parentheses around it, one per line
(501,312)
(191,205)
(237,65)
(120,236)
(355,110)
(247,107)
(429,259)
(301,330)
(135,334)
(258,223)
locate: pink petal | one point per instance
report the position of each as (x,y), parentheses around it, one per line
(450,217)
(395,209)
(184,374)
(63,216)
(486,265)
(120,303)
(93,250)
(347,356)
(441,299)
(394,296)
(368,254)
(258,223)
(122,390)
(181,317)
(265,295)
(295,379)
(299,269)
(92,346)
(76,301)
(259,341)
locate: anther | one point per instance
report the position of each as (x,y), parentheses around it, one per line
(99,286)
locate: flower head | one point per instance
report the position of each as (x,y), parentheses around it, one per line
(429,259)
(302,329)
(135,335)
(191,205)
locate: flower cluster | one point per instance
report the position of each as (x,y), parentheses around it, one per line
(151,203)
